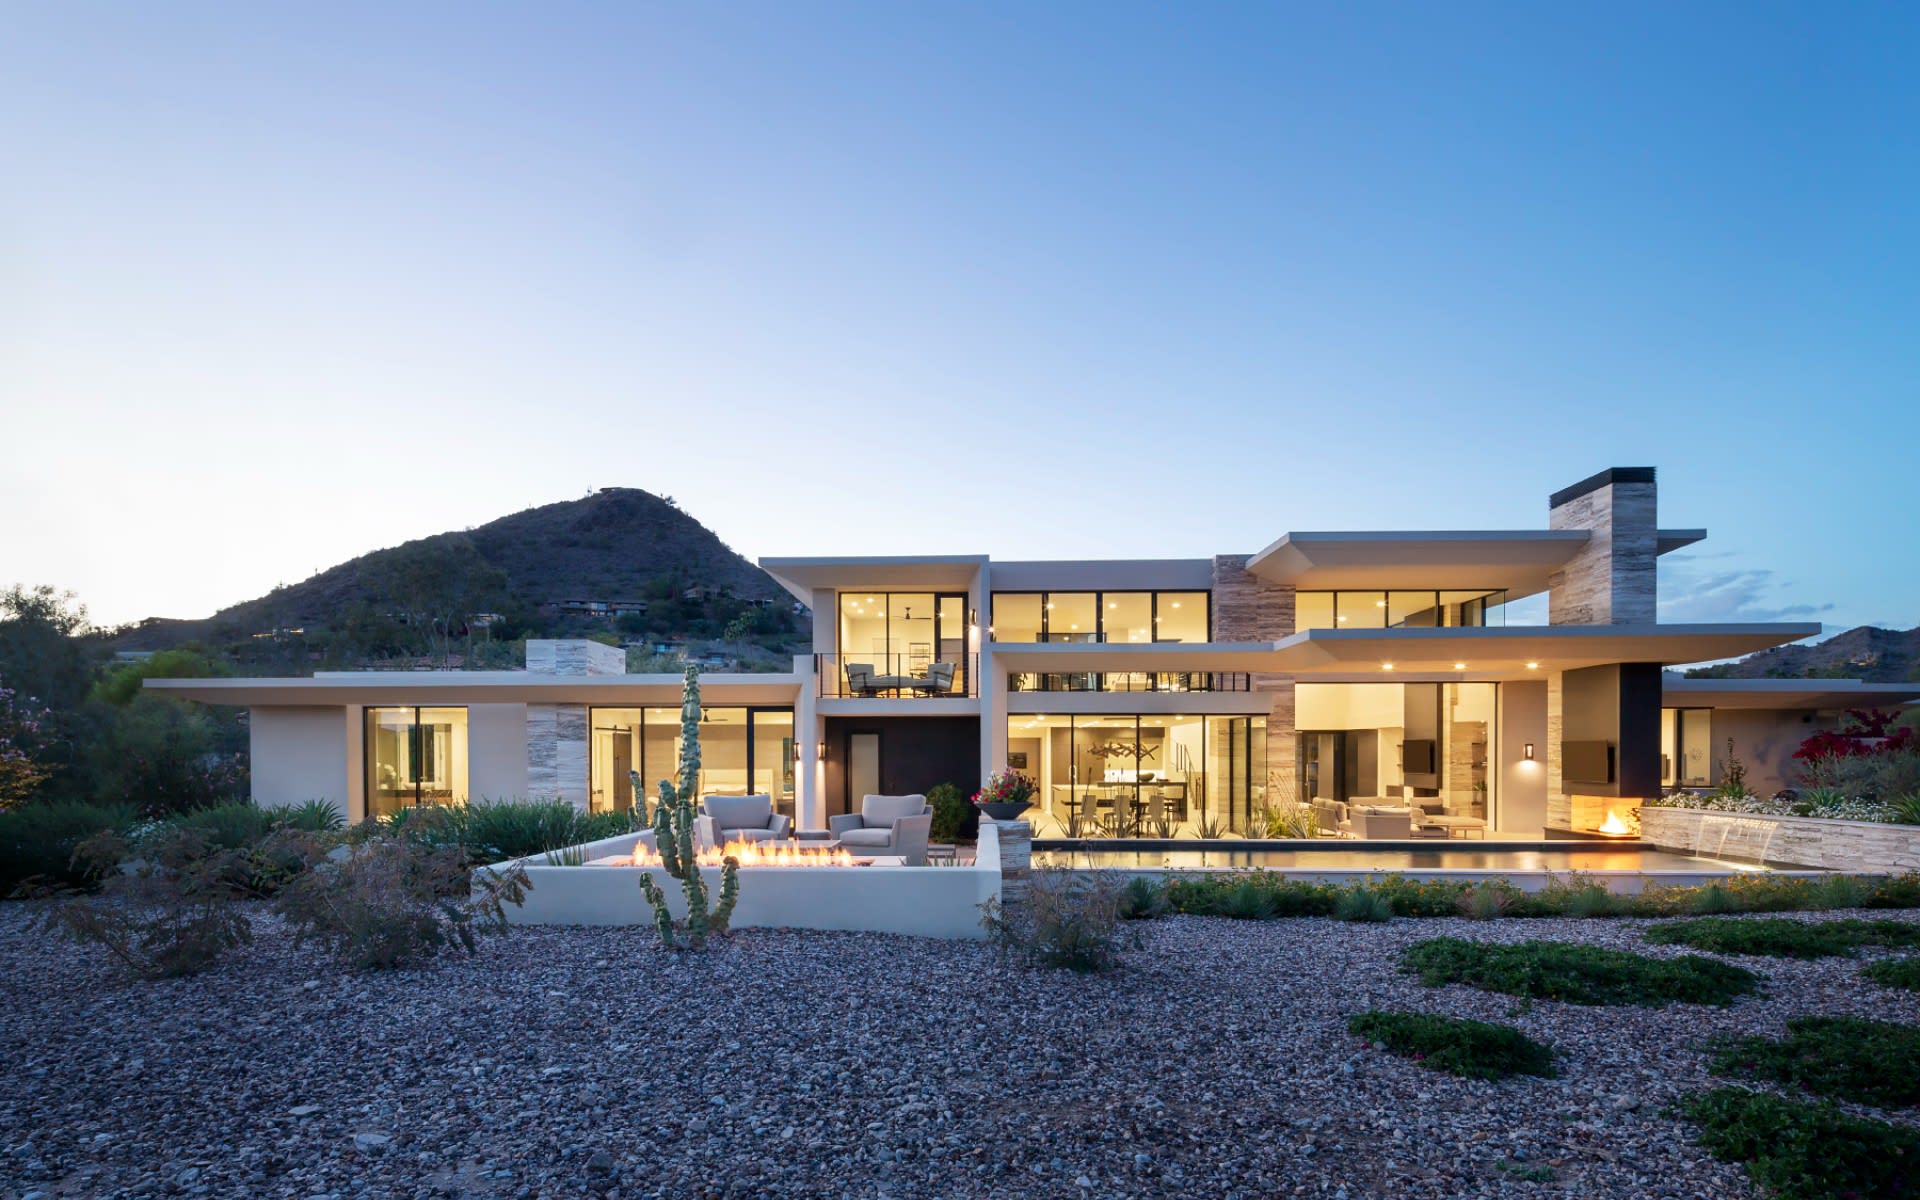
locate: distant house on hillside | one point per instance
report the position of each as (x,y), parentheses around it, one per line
(604,610)
(700,592)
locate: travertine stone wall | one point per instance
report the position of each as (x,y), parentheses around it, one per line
(1016,859)
(1611,580)
(1248,609)
(1862,846)
(557,733)
(574,656)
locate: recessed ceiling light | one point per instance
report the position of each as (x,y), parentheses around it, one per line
(1459,666)
(1533,666)
(1176,604)
(1386,666)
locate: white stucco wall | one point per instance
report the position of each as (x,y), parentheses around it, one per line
(301,754)
(497,751)
(1764,740)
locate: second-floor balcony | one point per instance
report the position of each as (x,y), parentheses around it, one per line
(911,676)
(1128,681)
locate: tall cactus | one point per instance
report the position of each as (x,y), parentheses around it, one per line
(673,833)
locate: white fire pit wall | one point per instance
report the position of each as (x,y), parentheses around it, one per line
(941,902)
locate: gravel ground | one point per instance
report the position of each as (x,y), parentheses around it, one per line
(579,1062)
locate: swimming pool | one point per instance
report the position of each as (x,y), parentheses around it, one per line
(1523,863)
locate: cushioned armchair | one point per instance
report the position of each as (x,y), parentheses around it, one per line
(746,818)
(887,825)
(937,681)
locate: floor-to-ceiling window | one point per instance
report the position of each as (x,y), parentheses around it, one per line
(1419,746)
(742,750)
(415,756)
(1415,609)
(905,636)
(1131,618)
(1141,775)
(1686,747)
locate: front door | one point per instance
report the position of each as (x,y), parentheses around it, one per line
(863,768)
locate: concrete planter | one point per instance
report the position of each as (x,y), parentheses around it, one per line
(1862,847)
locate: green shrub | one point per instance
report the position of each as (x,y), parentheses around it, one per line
(1247,901)
(1487,902)
(1839,891)
(1417,897)
(1800,1151)
(1780,937)
(1475,1049)
(228,826)
(954,816)
(1576,974)
(37,843)
(1898,891)
(392,900)
(314,816)
(1895,973)
(1068,921)
(1143,899)
(172,914)
(1848,1058)
(493,830)
(1715,898)
(1363,904)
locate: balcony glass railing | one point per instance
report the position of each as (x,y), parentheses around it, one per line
(1129,681)
(896,676)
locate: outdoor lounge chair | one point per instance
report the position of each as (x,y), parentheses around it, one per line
(887,825)
(746,818)
(938,679)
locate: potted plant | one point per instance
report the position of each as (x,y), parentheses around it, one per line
(1006,796)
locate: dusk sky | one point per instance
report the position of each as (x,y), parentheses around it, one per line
(279,287)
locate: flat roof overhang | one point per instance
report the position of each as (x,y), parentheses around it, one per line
(1810,694)
(801,576)
(481,687)
(1519,560)
(1349,654)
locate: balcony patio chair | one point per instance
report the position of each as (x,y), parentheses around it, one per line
(746,818)
(937,681)
(887,825)
(861,679)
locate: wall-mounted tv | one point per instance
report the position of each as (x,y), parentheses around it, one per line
(1587,762)
(1417,756)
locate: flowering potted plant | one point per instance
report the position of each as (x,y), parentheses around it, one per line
(1006,796)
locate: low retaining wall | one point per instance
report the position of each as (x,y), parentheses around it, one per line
(1862,847)
(942,902)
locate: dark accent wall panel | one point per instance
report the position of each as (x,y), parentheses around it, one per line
(915,754)
(1617,704)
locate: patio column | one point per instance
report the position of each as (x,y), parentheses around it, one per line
(1246,608)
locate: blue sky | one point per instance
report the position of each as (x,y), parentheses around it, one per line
(280,287)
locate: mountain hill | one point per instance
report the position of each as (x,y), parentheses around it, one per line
(617,544)
(1875,655)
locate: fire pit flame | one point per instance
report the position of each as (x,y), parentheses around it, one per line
(1614,825)
(761,854)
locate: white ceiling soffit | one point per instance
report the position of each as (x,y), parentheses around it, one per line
(801,576)
(1518,560)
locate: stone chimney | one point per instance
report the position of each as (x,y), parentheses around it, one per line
(1611,580)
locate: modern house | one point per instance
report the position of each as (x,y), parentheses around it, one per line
(1370,678)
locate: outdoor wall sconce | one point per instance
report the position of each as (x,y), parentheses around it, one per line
(1529,751)
(822,751)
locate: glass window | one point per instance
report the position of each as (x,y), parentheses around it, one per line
(1412,610)
(615,754)
(910,634)
(1016,616)
(863,629)
(415,756)
(1696,747)
(741,750)
(1127,617)
(1312,610)
(1140,775)
(773,758)
(1072,617)
(1669,744)
(1182,617)
(1360,610)
(1466,608)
